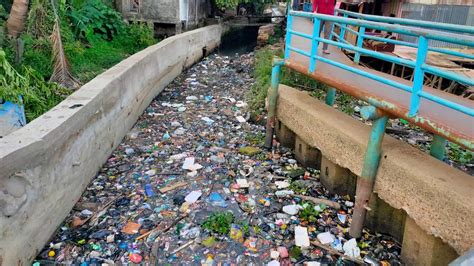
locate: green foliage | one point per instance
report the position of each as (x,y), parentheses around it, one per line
(3,18)
(245,227)
(295,172)
(3,14)
(228,3)
(345,103)
(231,4)
(255,139)
(298,187)
(94,38)
(88,62)
(262,74)
(40,19)
(295,252)
(37,55)
(459,155)
(277,35)
(37,95)
(135,37)
(219,222)
(308,213)
(94,19)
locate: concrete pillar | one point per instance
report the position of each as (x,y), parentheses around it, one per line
(336,179)
(178,28)
(285,136)
(383,218)
(420,248)
(307,155)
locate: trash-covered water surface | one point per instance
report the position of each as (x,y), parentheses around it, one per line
(191,184)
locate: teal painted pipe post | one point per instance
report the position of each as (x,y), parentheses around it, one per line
(342,30)
(419,76)
(272,100)
(330,96)
(438,147)
(360,42)
(365,183)
(314,45)
(289,25)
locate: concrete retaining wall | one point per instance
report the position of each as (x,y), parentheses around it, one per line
(46,165)
(436,197)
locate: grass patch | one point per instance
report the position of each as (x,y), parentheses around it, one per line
(262,74)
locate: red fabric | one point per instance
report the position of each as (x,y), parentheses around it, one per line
(323,7)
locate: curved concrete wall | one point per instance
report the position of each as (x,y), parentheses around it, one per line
(46,165)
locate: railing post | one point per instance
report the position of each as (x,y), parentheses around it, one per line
(360,42)
(289,25)
(342,32)
(365,182)
(314,45)
(330,96)
(272,100)
(438,147)
(332,31)
(419,75)
(332,26)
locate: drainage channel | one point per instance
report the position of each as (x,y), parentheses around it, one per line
(239,39)
(192,184)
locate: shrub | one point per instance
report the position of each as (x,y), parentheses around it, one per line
(95,19)
(37,95)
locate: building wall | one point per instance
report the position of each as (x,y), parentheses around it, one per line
(191,12)
(160,11)
(442,2)
(392,7)
(197,11)
(453,14)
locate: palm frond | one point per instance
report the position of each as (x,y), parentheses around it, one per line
(61,72)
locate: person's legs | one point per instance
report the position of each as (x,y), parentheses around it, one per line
(327,34)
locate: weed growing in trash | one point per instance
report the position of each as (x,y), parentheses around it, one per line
(219,222)
(255,139)
(309,213)
(298,187)
(460,155)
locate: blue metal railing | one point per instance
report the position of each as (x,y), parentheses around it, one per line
(462,29)
(409,22)
(420,67)
(377,111)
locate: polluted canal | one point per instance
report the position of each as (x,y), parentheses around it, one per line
(192,185)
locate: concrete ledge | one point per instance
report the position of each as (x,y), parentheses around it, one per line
(46,165)
(437,197)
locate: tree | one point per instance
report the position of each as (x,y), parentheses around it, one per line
(17,19)
(258,5)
